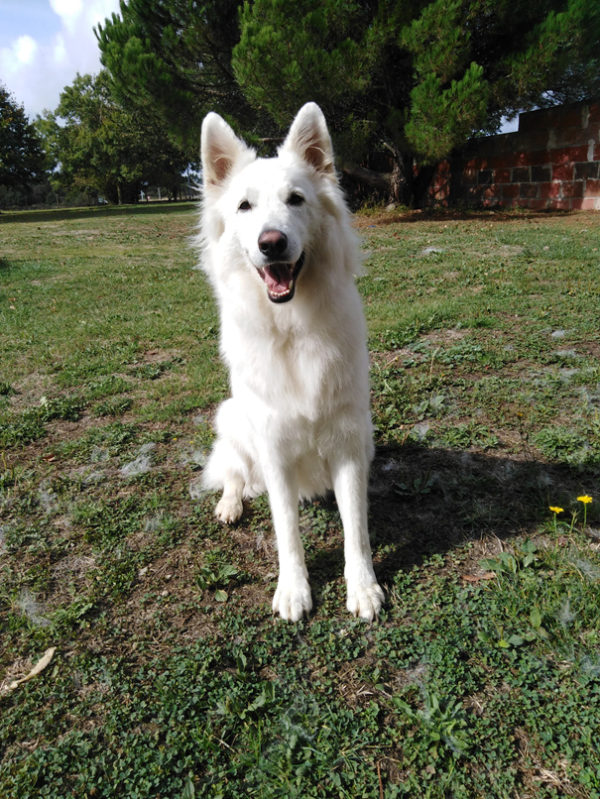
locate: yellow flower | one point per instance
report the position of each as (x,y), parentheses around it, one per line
(585,499)
(556,510)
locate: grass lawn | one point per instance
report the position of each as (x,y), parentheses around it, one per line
(169,676)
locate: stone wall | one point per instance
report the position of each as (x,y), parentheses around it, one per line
(552,162)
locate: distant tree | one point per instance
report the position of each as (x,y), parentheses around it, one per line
(97,145)
(175,55)
(415,77)
(21,153)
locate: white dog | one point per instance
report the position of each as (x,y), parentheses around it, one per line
(279,250)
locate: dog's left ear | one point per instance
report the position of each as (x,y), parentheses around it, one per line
(221,150)
(309,138)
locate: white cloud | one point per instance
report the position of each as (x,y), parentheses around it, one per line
(66,8)
(60,54)
(36,70)
(24,49)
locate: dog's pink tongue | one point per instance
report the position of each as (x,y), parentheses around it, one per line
(278,277)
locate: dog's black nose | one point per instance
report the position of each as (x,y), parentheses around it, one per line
(272,243)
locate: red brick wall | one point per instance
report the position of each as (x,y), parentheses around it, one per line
(553,161)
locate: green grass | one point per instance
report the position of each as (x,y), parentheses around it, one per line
(170,677)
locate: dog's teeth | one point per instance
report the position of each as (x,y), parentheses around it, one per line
(290,287)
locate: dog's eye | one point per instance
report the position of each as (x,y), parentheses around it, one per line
(244,206)
(295,199)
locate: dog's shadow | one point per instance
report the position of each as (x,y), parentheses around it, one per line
(427,501)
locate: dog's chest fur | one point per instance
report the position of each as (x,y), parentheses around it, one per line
(295,368)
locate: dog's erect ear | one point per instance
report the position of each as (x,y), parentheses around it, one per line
(310,138)
(220,149)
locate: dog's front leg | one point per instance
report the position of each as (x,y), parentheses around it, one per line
(292,598)
(365,596)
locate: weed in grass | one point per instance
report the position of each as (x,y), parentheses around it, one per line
(401,336)
(570,445)
(568,527)
(149,371)
(100,444)
(318,519)
(71,618)
(465,352)
(106,523)
(28,426)
(443,723)
(33,540)
(420,487)
(9,476)
(431,406)
(468,435)
(105,387)
(114,406)
(585,500)
(216,576)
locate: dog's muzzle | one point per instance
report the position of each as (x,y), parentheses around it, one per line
(280,279)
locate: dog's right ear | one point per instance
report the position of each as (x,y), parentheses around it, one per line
(309,138)
(220,149)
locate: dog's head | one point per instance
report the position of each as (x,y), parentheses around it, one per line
(268,210)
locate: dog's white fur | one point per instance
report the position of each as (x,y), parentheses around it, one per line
(298,421)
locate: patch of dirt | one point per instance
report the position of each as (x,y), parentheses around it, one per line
(445,336)
(355,691)
(29,391)
(159,356)
(448,215)
(18,669)
(591,348)
(510,250)
(534,775)
(389,357)
(73,567)
(75,233)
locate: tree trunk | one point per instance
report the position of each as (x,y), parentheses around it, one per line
(421,183)
(119,200)
(401,184)
(404,185)
(376,180)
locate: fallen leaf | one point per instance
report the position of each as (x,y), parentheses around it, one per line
(473,578)
(42,663)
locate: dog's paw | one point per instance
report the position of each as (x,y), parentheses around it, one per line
(292,598)
(364,599)
(229,509)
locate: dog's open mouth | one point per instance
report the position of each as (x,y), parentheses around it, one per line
(280,279)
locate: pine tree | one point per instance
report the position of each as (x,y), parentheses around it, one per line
(412,77)
(176,56)
(21,154)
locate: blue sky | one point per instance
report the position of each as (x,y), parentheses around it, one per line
(44,43)
(33,17)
